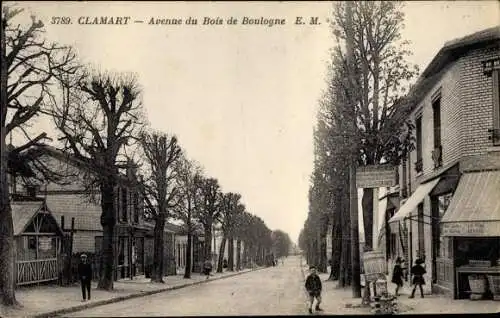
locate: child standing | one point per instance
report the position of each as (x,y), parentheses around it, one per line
(313,287)
(397,275)
(418,272)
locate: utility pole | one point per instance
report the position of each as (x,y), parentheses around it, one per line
(356,280)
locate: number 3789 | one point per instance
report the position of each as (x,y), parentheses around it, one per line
(60,20)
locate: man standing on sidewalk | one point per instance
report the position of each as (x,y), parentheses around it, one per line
(85,275)
(313,287)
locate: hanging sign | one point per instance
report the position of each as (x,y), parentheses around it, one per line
(376,176)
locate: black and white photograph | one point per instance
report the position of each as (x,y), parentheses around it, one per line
(249,158)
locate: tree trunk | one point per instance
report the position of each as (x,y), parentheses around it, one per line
(189,247)
(367,204)
(230,254)
(245,254)
(108,221)
(221,254)
(238,255)
(336,246)
(310,259)
(7,281)
(316,252)
(207,251)
(323,263)
(158,248)
(345,259)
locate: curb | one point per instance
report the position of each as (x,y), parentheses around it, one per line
(131,296)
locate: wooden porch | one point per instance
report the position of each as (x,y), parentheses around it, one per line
(37,240)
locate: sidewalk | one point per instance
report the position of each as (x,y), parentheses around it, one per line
(339,300)
(50,300)
(440,304)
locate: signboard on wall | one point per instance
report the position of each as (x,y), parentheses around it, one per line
(476,228)
(376,176)
(44,243)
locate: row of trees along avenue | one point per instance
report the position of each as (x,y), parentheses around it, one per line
(99,120)
(361,121)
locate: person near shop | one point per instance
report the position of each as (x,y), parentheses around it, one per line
(397,275)
(313,287)
(85,276)
(418,272)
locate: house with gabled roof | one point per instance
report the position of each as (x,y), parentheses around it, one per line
(37,242)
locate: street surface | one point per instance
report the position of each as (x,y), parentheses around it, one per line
(272,291)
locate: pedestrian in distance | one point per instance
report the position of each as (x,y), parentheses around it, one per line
(397,275)
(85,275)
(207,268)
(313,287)
(418,272)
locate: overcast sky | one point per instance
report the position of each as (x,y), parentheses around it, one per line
(242,99)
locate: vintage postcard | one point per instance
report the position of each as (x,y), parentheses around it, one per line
(164,158)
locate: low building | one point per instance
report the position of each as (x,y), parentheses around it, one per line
(71,199)
(244,256)
(37,242)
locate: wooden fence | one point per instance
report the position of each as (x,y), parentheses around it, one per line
(36,271)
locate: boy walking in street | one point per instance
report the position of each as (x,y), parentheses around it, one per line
(313,287)
(85,275)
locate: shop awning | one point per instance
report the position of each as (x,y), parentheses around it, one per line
(474,209)
(413,201)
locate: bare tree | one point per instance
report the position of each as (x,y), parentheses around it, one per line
(28,68)
(382,78)
(188,179)
(100,116)
(208,211)
(162,152)
(229,205)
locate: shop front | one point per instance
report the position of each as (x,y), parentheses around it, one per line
(412,223)
(470,234)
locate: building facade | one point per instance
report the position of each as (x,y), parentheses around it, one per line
(449,210)
(70,199)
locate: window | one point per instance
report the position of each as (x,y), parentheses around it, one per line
(436,111)
(492,68)
(124,216)
(418,127)
(135,207)
(31,190)
(437,152)
(404,190)
(421,238)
